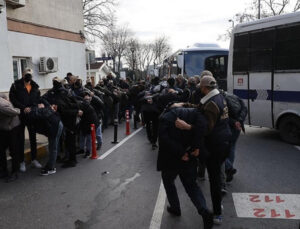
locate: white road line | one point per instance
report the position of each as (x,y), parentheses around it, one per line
(159,208)
(297,147)
(119,144)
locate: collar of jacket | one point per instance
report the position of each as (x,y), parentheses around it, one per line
(211,94)
(20,83)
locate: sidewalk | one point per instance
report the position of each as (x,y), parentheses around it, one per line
(42,141)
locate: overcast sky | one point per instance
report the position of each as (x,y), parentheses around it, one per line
(184,22)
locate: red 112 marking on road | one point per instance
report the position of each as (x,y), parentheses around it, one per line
(268,199)
(256,199)
(274,214)
(288,215)
(260,213)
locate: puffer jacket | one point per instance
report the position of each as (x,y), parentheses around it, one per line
(9,118)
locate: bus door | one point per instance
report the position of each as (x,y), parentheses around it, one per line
(261,77)
(260,99)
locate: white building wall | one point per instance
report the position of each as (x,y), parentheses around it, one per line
(71,57)
(61,14)
(5,58)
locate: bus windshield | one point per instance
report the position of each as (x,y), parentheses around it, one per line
(196,61)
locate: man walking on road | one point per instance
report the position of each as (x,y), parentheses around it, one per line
(217,139)
(177,157)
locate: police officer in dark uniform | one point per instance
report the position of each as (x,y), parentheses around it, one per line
(177,154)
(218,136)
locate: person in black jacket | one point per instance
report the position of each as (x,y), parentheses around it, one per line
(237,111)
(70,112)
(47,122)
(218,137)
(24,94)
(89,117)
(177,154)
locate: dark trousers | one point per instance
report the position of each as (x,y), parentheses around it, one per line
(151,121)
(188,179)
(70,139)
(32,139)
(213,164)
(9,139)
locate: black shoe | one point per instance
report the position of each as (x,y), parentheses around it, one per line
(12,177)
(80,151)
(87,154)
(3,174)
(99,146)
(69,164)
(229,174)
(173,211)
(208,220)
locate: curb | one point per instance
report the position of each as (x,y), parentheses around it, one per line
(41,152)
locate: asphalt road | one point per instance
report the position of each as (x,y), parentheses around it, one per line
(122,190)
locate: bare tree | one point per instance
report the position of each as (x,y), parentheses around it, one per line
(98,18)
(268,8)
(161,49)
(115,42)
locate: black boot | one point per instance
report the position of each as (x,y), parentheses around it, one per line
(173,211)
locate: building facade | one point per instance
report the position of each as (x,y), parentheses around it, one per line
(31,30)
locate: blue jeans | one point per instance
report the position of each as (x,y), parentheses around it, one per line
(99,135)
(85,142)
(230,160)
(188,179)
(54,146)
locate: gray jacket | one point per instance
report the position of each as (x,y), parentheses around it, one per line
(9,116)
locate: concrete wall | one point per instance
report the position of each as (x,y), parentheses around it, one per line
(61,14)
(5,57)
(71,57)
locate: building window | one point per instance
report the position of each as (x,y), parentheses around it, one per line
(19,65)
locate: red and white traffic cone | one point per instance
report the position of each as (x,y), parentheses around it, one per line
(93,135)
(127,123)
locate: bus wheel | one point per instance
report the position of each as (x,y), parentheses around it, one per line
(289,128)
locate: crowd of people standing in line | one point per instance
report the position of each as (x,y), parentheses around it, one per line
(195,124)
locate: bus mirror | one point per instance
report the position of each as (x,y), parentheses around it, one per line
(180,61)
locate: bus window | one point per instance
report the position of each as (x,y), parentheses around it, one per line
(261,45)
(218,66)
(240,53)
(288,46)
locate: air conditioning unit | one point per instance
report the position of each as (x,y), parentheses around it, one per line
(48,64)
(16,3)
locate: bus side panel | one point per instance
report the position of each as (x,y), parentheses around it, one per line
(286,95)
(260,96)
(240,88)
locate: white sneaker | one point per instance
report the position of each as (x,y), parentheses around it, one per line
(22,167)
(36,164)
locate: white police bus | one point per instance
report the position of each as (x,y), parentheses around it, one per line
(192,61)
(264,70)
